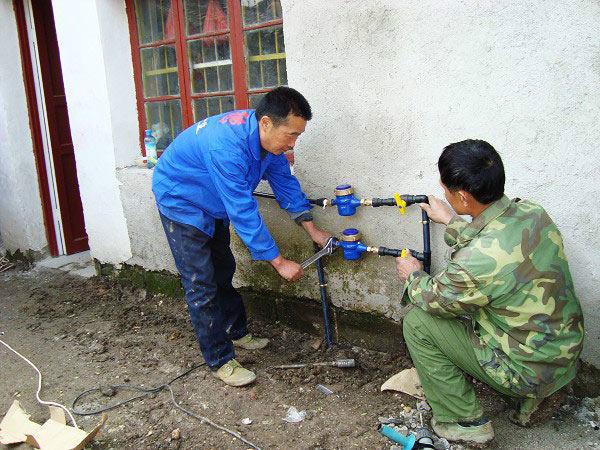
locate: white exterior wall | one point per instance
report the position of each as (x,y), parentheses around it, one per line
(21,220)
(96,63)
(391,83)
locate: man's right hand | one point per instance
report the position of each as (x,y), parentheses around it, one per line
(290,270)
(438,210)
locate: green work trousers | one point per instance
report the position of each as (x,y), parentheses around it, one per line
(442,352)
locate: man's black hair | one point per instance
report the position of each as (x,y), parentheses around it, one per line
(473,166)
(281,102)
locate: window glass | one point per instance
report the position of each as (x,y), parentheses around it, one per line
(255,12)
(155,20)
(164,119)
(210,65)
(206,16)
(211,106)
(265,57)
(159,71)
(255,100)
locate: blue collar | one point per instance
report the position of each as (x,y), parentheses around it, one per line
(254,137)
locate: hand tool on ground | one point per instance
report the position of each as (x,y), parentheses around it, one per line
(342,363)
(328,249)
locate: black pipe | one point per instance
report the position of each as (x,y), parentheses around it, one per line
(409,199)
(426,242)
(396,252)
(323,290)
(312,201)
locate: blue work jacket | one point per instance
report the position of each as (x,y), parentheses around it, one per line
(211,170)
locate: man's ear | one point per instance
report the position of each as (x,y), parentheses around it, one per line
(266,122)
(465,197)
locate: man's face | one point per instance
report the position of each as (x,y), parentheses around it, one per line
(282,138)
(454,198)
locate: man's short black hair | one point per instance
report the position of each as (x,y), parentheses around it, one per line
(473,166)
(281,102)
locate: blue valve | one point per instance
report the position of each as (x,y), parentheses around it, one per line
(345,200)
(351,245)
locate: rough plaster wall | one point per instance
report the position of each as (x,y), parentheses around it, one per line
(392,82)
(148,242)
(89,93)
(21,220)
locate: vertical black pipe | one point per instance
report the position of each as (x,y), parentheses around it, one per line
(426,242)
(323,290)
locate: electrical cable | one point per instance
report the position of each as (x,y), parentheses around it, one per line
(148,391)
(39,388)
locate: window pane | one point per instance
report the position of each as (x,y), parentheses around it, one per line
(255,100)
(210,65)
(206,16)
(159,71)
(211,106)
(164,119)
(265,58)
(255,12)
(155,20)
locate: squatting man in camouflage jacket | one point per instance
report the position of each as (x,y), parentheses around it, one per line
(504,310)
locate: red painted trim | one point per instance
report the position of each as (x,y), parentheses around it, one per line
(137,71)
(187,115)
(35,127)
(194,37)
(237,55)
(212,94)
(157,43)
(161,98)
(271,23)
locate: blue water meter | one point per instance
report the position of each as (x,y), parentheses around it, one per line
(351,245)
(345,200)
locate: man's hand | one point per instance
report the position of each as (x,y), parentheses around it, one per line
(316,234)
(290,270)
(407,265)
(438,210)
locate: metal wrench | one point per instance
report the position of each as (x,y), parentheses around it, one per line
(327,250)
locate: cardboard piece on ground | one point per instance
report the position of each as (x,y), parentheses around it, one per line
(406,381)
(15,425)
(54,434)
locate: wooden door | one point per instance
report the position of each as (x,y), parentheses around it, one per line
(63,157)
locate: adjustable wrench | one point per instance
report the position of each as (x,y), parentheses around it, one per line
(327,250)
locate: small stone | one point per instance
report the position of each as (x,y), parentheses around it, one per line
(175,434)
(246,421)
(407,409)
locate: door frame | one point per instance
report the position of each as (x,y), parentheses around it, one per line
(38,124)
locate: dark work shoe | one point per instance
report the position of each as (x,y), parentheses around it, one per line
(535,411)
(475,435)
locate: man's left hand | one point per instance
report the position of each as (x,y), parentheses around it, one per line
(407,265)
(316,234)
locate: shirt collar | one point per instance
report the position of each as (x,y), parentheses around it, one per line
(495,209)
(254,137)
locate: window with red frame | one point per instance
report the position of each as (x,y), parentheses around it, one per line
(197,58)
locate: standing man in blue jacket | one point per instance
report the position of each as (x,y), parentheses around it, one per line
(203,182)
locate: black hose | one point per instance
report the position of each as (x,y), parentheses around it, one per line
(323,291)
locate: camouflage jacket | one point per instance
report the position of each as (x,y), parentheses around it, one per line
(508,276)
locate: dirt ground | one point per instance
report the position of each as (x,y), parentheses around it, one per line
(87,333)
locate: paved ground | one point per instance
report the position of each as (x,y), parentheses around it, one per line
(87,332)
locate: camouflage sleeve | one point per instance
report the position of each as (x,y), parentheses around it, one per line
(451,293)
(453,230)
